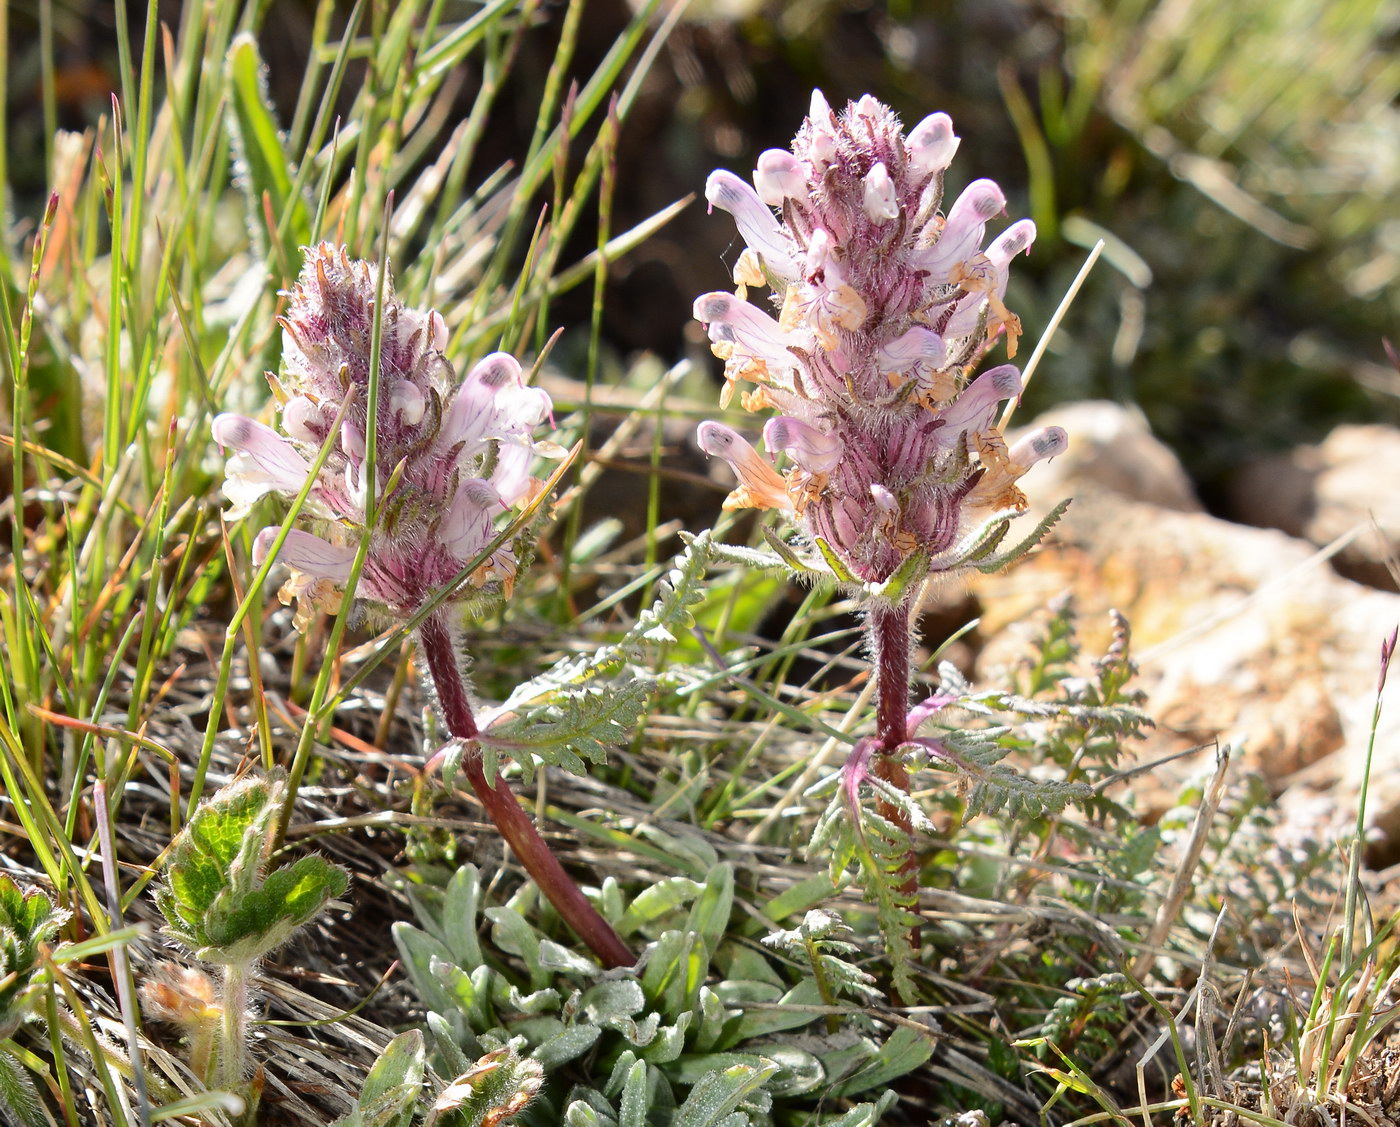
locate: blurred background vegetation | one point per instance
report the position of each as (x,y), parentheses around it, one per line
(1242,161)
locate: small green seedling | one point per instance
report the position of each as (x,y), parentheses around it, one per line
(223,902)
(27,920)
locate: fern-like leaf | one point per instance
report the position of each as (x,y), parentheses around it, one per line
(579,722)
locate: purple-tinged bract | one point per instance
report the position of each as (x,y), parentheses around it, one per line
(883,305)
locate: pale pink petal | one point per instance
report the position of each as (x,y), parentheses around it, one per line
(884,500)
(779,176)
(1011,242)
(408,402)
(961,236)
(760,230)
(304,420)
(974,407)
(821,141)
(497,370)
(468,526)
(750,329)
(511,477)
(1045,442)
(931,143)
(308,554)
(916,346)
(263,462)
(881,204)
(760,485)
(805,444)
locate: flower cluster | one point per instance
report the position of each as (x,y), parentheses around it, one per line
(450,457)
(885,306)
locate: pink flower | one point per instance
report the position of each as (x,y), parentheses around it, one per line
(883,306)
(451,458)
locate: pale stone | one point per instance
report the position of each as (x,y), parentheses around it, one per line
(1342,488)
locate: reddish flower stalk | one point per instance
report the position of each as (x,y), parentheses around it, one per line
(452,459)
(889,630)
(435,643)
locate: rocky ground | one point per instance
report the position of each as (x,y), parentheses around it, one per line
(1267,638)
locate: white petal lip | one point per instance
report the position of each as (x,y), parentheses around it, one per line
(510,480)
(758,226)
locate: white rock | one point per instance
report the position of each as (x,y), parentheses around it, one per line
(1111,447)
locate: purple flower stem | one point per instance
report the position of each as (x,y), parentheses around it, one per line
(889,633)
(435,641)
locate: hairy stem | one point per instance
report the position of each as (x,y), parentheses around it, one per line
(889,633)
(233,1028)
(515,825)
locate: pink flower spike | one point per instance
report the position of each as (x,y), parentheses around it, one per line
(779,176)
(803,443)
(931,144)
(888,299)
(760,485)
(760,230)
(263,462)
